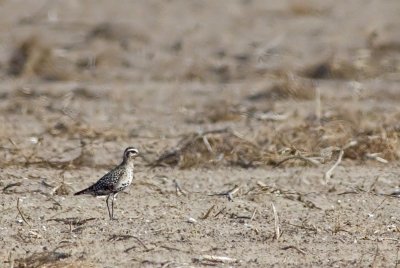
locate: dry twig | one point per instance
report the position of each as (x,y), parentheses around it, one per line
(21,214)
(72,221)
(329,173)
(219,212)
(229,193)
(140,242)
(296,248)
(318,104)
(254,214)
(380,204)
(8,186)
(309,160)
(270,116)
(214,259)
(207,214)
(277,223)
(375,156)
(11,260)
(178,189)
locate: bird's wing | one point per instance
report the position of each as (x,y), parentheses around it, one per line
(111,178)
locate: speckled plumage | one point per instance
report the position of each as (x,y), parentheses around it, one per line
(115,180)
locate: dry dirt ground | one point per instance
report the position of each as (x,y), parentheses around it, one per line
(262,97)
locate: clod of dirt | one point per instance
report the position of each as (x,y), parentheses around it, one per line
(306,8)
(26,56)
(44,259)
(290,87)
(116,32)
(33,58)
(217,112)
(108,31)
(210,71)
(82,92)
(222,72)
(62,189)
(332,69)
(319,70)
(362,63)
(384,39)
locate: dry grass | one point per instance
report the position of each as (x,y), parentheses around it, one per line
(385,144)
(309,142)
(311,137)
(212,148)
(305,144)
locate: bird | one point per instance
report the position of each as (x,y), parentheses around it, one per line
(116,180)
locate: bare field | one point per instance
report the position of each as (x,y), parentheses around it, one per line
(268,132)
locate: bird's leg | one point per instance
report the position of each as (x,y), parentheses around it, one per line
(112,206)
(108,207)
(114,195)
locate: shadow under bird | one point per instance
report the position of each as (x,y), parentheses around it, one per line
(115,180)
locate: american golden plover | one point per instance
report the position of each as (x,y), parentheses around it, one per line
(115,180)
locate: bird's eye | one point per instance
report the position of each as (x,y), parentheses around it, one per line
(133,152)
(129,152)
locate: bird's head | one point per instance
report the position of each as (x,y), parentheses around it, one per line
(130,153)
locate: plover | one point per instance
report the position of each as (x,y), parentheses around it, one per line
(115,180)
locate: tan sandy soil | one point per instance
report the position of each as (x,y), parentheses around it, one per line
(263,95)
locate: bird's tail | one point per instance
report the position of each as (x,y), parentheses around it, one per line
(84,191)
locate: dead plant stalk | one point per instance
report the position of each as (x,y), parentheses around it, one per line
(21,214)
(277,223)
(328,175)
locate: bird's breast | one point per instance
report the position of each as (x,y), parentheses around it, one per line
(125,180)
